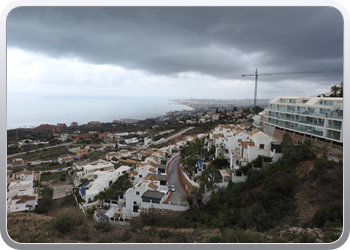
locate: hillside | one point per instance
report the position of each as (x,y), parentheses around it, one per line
(313,193)
(296,199)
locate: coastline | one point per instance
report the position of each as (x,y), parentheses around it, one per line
(156,110)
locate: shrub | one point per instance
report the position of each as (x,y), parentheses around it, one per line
(103,226)
(230,235)
(331,236)
(331,213)
(41,210)
(67,219)
(255,216)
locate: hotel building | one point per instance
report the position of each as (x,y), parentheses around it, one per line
(319,117)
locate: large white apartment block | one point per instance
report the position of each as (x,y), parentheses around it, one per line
(321,117)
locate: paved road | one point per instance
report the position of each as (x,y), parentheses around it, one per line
(173,175)
(173,136)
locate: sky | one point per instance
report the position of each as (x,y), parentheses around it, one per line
(173,52)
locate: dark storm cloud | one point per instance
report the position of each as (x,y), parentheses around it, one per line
(221,42)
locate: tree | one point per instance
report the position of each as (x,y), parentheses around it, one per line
(335,89)
(292,153)
(325,151)
(341,89)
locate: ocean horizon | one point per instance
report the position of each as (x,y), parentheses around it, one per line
(26,112)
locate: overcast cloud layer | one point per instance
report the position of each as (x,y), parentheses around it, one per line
(191,52)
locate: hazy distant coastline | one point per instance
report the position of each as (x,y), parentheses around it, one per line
(67,110)
(228,104)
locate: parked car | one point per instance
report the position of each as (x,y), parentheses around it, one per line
(172,188)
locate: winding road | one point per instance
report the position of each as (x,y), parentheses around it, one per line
(173,179)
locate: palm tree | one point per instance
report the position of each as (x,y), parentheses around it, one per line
(325,151)
(335,89)
(341,89)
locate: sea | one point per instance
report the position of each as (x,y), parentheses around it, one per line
(27,112)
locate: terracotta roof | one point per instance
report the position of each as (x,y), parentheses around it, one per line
(153,164)
(129,161)
(131,173)
(237,132)
(25,172)
(151,185)
(254,132)
(23,198)
(245,144)
(151,178)
(153,170)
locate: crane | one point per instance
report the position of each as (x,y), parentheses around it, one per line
(269,74)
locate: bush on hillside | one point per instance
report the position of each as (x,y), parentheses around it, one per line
(331,213)
(67,219)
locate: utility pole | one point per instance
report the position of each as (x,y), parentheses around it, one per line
(269,74)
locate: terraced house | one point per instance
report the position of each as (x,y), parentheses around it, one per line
(319,117)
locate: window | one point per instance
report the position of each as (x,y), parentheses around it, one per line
(261,146)
(329,103)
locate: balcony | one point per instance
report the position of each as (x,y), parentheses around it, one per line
(296,128)
(335,137)
(239,157)
(334,126)
(335,116)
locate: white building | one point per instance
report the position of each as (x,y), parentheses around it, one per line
(20,187)
(102,180)
(258,144)
(65,158)
(131,140)
(144,193)
(147,141)
(101,165)
(320,117)
(20,192)
(22,203)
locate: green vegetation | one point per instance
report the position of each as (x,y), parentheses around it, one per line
(265,199)
(333,213)
(249,212)
(67,219)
